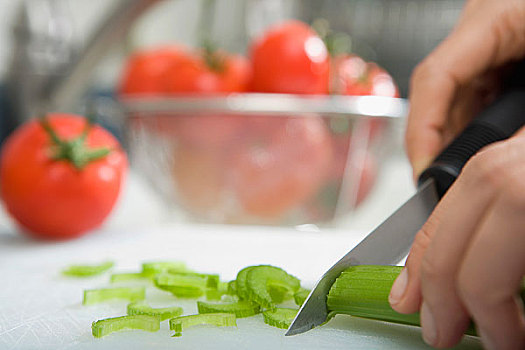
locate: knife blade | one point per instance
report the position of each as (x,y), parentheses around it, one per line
(391,240)
(387,244)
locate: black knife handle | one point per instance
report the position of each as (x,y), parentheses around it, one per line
(499,121)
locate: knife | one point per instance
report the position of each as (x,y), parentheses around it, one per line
(390,241)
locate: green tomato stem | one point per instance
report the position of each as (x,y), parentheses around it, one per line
(75,150)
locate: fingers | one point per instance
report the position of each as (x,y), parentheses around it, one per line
(459,239)
(487,36)
(438,249)
(444,317)
(491,273)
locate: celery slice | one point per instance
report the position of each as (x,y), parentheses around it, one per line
(258,279)
(181,286)
(240,282)
(106,326)
(280,317)
(241,308)
(216,294)
(128,276)
(87,270)
(279,292)
(232,287)
(211,280)
(177,324)
(155,267)
(93,296)
(300,296)
(164,313)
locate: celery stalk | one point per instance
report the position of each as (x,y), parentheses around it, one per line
(363,291)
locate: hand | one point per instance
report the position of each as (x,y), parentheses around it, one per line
(467,262)
(468,259)
(462,75)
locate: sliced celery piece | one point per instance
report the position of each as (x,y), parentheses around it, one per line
(164,313)
(232,287)
(240,282)
(216,294)
(279,292)
(181,286)
(241,308)
(155,267)
(106,326)
(300,296)
(258,279)
(177,324)
(93,296)
(128,276)
(87,270)
(280,317)
(212,280)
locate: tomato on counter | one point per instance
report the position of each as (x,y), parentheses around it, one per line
(290,58)
(63,182)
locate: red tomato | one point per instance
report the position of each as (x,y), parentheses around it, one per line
(281,167)
(199,174)
(354,76)
(290,58)
(209,73)
(144,71)
(202,140)
(52,199)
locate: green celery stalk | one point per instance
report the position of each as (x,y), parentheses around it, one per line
(363,291)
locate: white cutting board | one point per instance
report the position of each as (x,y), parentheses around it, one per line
(40,309)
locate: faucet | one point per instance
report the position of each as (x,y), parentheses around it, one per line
(47,72)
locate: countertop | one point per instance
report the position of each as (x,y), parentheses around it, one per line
(40,309)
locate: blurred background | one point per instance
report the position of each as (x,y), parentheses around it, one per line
(73,53)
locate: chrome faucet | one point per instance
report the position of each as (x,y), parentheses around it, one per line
(47,72)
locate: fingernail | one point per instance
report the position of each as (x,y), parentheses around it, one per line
(398,288)
(486,340)
(429,325)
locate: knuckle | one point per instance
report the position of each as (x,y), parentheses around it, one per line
(424,73)
(474,293)
(486,166)
(513,193)
(432,269)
